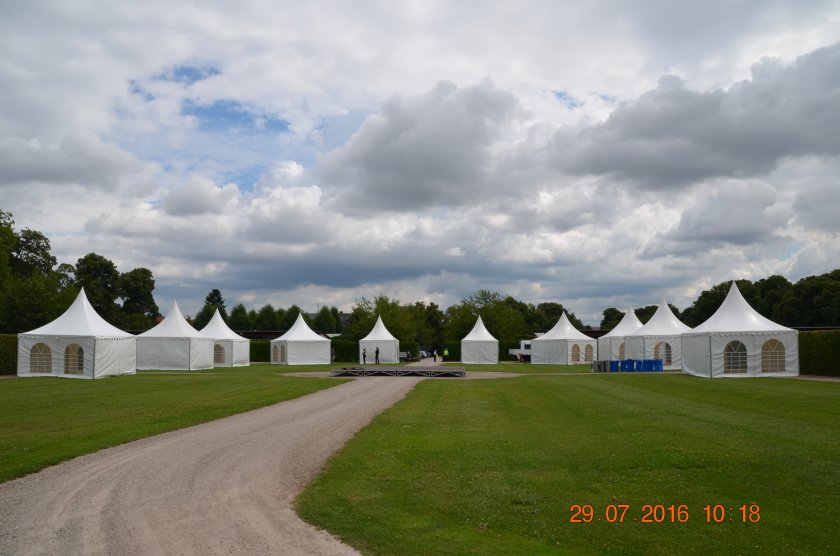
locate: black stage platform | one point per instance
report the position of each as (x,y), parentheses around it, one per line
(452,372)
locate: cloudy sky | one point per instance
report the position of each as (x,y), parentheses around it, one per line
(592,153)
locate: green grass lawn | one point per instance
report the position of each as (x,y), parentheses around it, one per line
(525,368)
(493,467)
(48,420)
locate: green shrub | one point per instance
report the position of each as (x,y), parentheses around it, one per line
(260,351)
(454,348)
(504,347)
(345,350)
(819,352)
(8,354)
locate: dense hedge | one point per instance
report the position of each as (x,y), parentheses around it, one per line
(346,351)
(8,354)
(454,348)
(819,352)
(504,346)
(260,351)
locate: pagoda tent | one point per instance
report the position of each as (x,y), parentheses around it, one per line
(78,344)
(300,346)
(174,345)
(379,337)
(479,346)
(736,341)
(611,345)
(229,348)
(659,338)
(563,345)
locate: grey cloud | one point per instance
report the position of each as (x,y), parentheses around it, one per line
(200,196)
(79,158)
(428,150)
(731,212)
(672,136)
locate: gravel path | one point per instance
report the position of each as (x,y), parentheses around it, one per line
(224,487)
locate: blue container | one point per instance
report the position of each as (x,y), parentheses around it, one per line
(613,366)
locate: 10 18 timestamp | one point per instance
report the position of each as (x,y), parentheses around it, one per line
(664,513)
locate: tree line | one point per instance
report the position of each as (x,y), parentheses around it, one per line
(35,289)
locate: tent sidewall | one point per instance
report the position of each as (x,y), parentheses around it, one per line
(479,352)
(389,350)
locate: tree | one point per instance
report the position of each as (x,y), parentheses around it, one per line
(31,254)
(612,317)
(100,279)
(266,318)
(139,309)
(239,319)
(213,302)
(324,321)
(215,298)
(289,317)
(339,325)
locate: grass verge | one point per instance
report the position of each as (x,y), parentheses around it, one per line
(48,420)
(524,368)
(493,467)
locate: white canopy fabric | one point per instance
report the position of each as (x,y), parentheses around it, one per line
(737,341)
(229,349)
(479,346)
(174,345)
(300,346)
(659,338)
(379,337)
(78,344)
(610,345)
(563,345)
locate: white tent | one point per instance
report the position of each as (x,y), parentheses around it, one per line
(738,342)
(174,345)
(300,346)
(229,348)
(78,344)
(563,345)
(379,337)
(659,338)
(611,345)
(479,346)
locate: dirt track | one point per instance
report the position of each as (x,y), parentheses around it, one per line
(220,487)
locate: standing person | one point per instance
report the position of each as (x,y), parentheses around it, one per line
(434,354)
(445,354)
(376,353)
(364,356)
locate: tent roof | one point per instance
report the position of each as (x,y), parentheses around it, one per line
(80,319)
(218,329)
(379,333)
(173,325)
(479,333)
(300,332)
(563,330)
(629,323)
(662,323)
(736,315)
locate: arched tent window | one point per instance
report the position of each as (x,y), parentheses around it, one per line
(40,359)
(74,360)
(621,351)
(575,353)
(735,358)
(773,357)
(587,353)
(283,353)
(218,354)
(275,353)
(662,351)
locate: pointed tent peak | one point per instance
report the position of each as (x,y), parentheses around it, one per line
(564,330)
(80,319)
(218,329)
(173,325)
(736,315)
(479,333)
(379,332)
(663,323)
(629,323)
(301,332)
